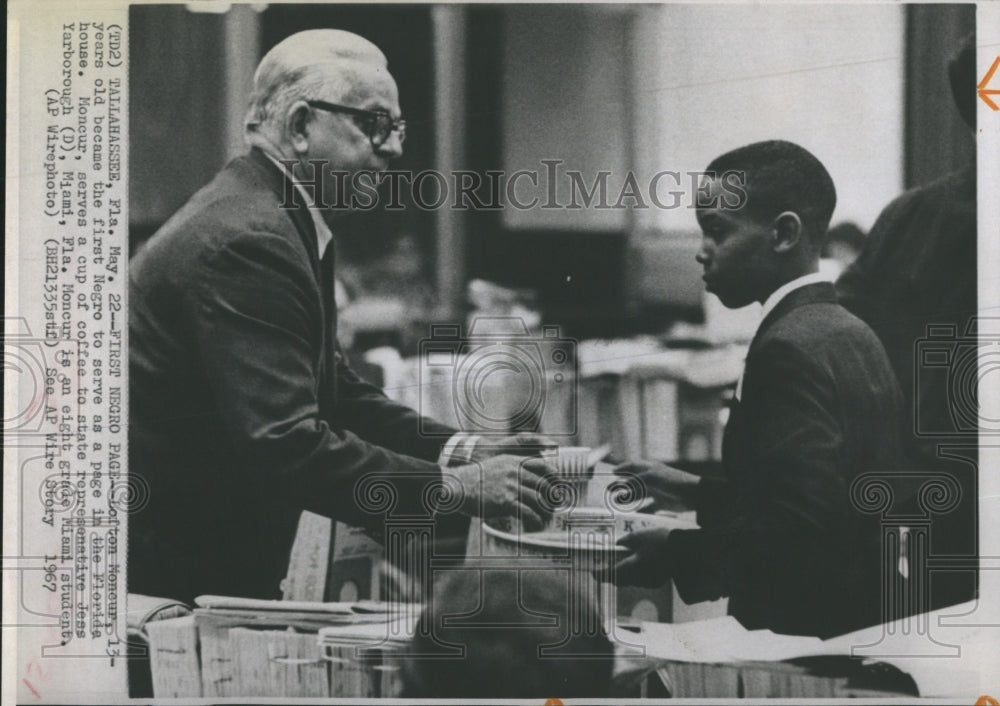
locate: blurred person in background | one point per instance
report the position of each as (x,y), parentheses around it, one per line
(843,243)
(509,634)
(916,270)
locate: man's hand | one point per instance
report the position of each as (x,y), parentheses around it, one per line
(506,486)
(671,488)
(649,564)
(522,444)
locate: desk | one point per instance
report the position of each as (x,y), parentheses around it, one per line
(270,663)
(807,678)
(598,497)
(826,671)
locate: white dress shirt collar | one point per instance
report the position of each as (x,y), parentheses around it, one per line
(324,236)
(787,288)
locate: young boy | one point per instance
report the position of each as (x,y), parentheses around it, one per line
(817,405)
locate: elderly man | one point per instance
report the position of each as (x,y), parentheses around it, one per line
(243,410)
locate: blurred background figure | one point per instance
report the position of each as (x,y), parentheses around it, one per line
(509,634)
(918,270)
(843,243)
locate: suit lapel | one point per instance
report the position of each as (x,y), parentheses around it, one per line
(818,293)
(277,181)
(734,443)
(323,270)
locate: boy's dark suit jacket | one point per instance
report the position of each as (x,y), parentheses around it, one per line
(820,405)
(242,410)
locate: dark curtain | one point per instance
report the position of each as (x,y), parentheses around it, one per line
(937,140)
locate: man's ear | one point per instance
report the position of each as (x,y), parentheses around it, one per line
(297,126)
(787,231)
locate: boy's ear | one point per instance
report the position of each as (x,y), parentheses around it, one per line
(787,231)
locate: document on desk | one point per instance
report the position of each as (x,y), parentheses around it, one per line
(396,631)
(298,613)
(725,640)
(720,640)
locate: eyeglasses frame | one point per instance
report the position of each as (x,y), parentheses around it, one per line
(372,116)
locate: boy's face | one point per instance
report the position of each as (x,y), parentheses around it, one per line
(736,252)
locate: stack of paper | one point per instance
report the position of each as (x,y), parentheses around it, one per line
(305,615)
(241,651)
(719,658)
(392,633)
(173,656)
(362,656)
(278,663)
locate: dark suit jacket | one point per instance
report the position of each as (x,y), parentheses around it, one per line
(243,411)
(820,405)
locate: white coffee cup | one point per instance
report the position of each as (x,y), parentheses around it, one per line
(571,462)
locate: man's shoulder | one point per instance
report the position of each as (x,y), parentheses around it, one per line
(818,327)
(828,345)
(235,206)
(238,199)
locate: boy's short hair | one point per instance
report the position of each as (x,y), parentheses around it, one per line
(513,629)
(782,176)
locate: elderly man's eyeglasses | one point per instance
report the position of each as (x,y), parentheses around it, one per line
(377,124)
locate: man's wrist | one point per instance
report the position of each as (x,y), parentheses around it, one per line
(459,449)
(453,483)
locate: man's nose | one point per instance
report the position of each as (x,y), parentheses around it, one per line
(702,255)
(392,148)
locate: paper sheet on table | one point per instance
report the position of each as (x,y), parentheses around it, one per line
(719,640)
(397,631)
(972,670)
(336,607)
(944,657)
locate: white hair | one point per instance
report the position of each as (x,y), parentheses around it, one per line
(315,63)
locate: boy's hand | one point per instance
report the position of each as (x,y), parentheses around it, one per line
(671,488)
(649,564)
